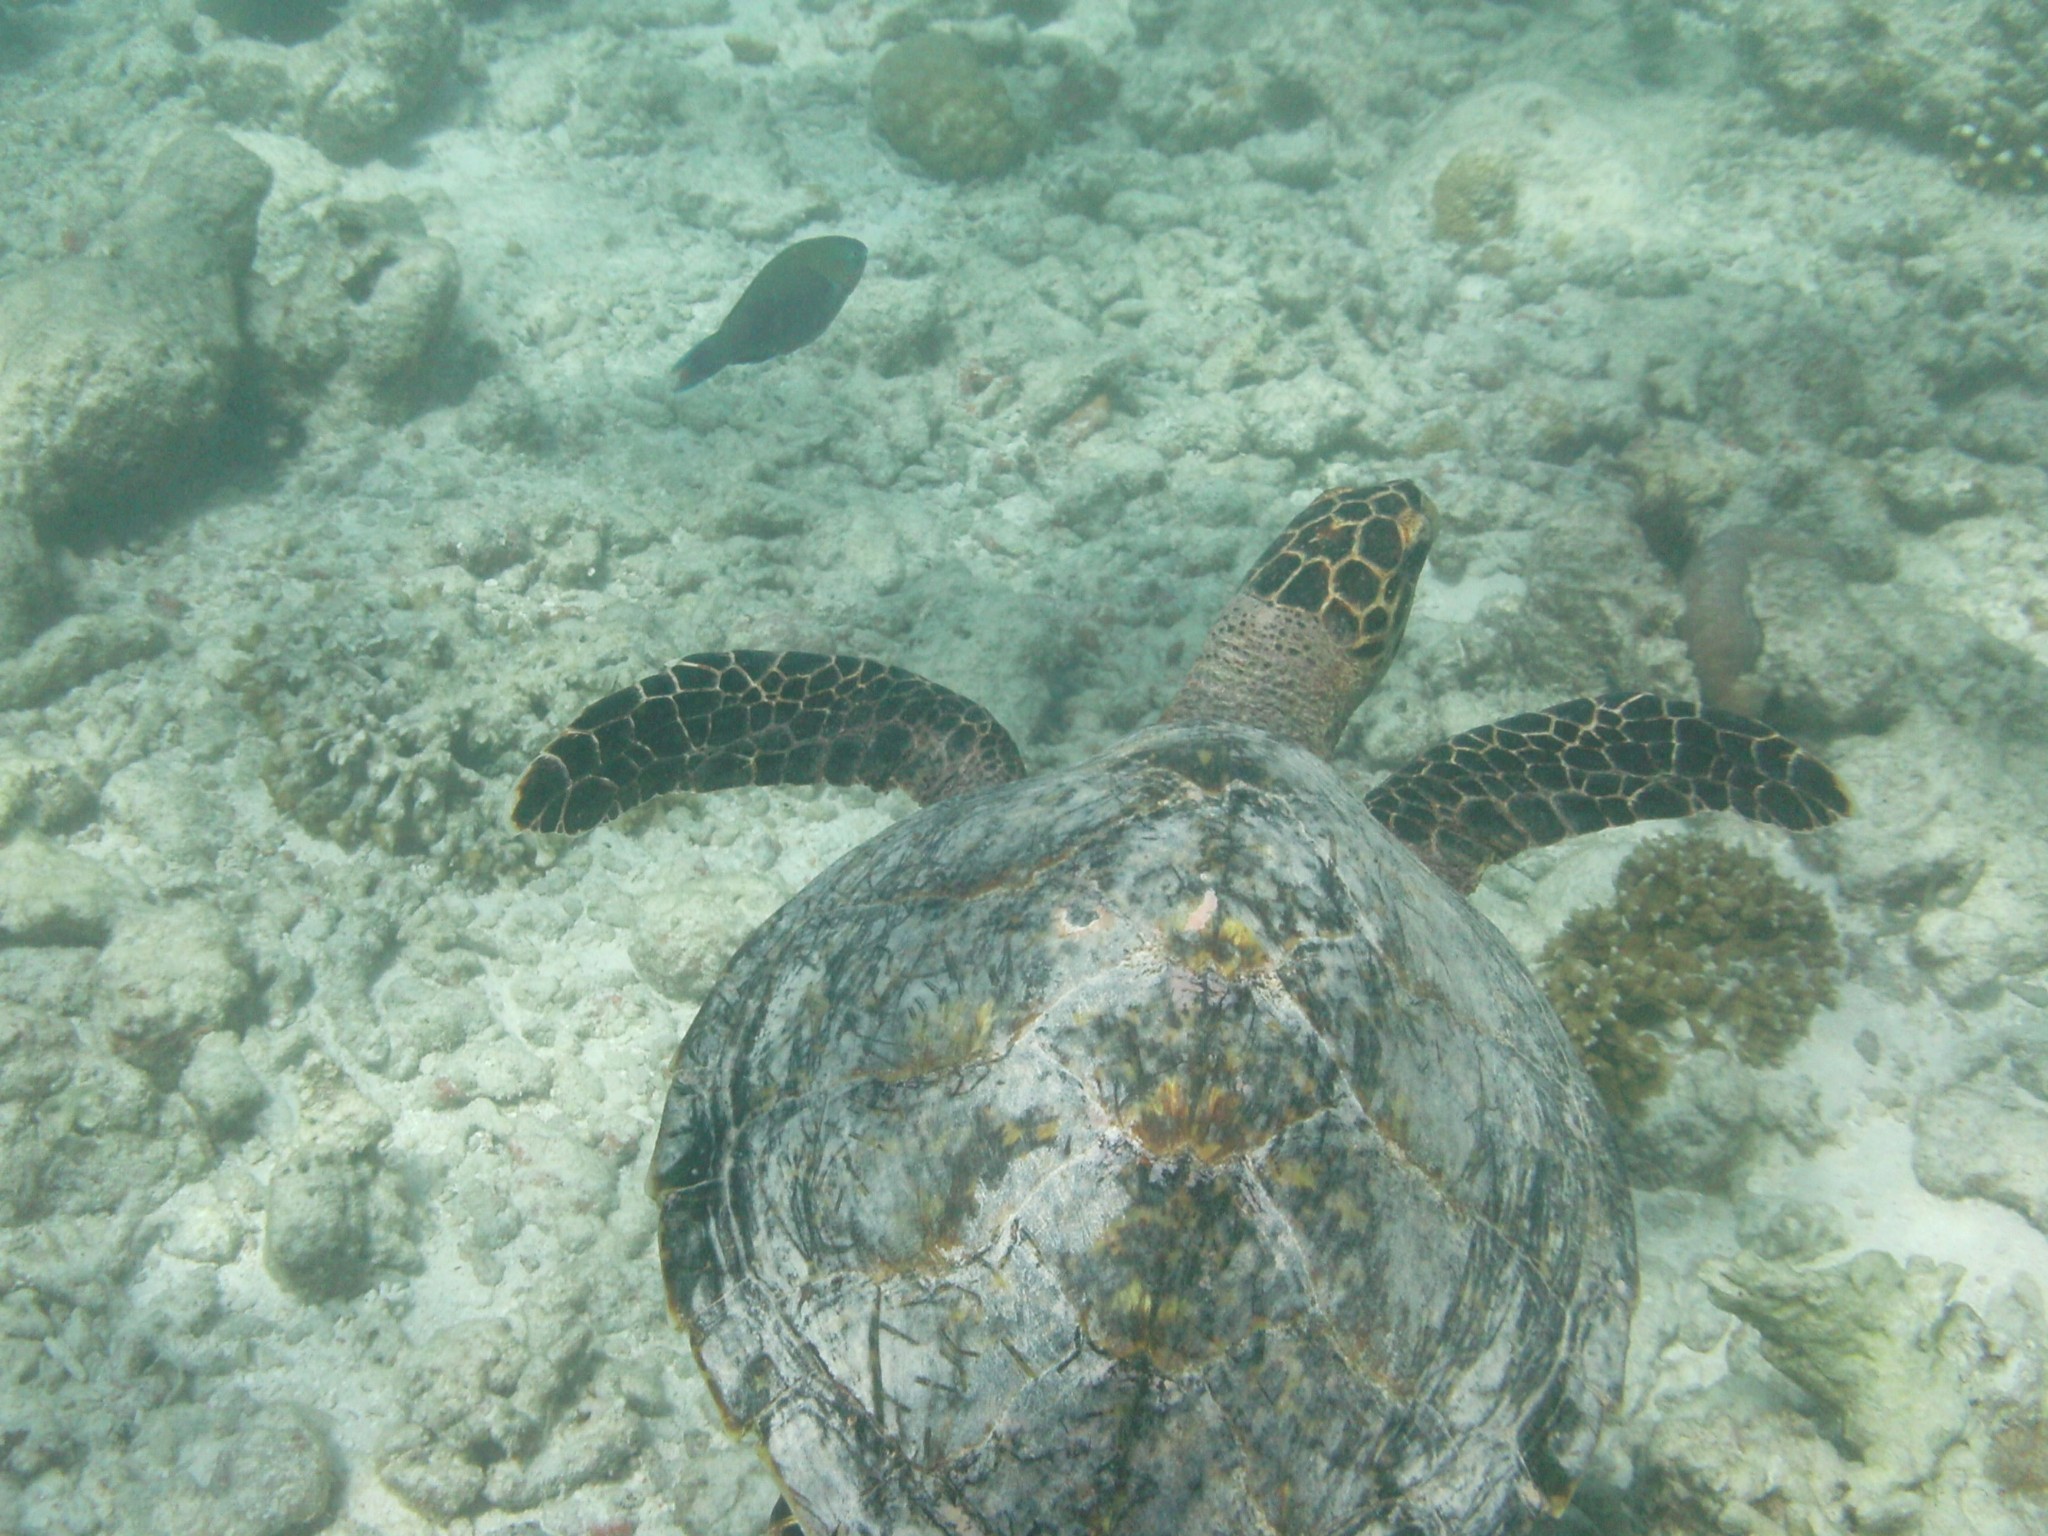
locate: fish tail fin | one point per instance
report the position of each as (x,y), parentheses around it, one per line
(698,364)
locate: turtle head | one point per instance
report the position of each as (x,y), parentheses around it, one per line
(1318,619)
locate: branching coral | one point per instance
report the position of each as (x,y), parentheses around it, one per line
(2003,143)
(2001,153)
(1970,78)
(1703,945)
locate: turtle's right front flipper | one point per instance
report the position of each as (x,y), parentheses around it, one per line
(1585,764)
(728,718)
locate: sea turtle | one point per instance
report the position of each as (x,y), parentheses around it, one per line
(1162,1146)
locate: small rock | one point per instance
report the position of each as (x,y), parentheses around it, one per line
(2006,426)
(116,370)
(336,1120)
(74,652)
(748,49)
(1474,197)
(1680,473)
(1694,1133)
(1308,416)
(1799,1231)
(205,1233)
(422,1016)
(219,1085)
(316,1228)
(680,943)
(1304,159)
(576,560)
(1935,486)
(1986,1137)
(40,795)
(899,326)
(350,333)
(485,543)
(429,1475)
(239,1469)
(1707,1444)
(504,1070)
(1197,103)
(349,90)
(27,584)
(592,1447)
(280,21)
(1710,1119)
(1963,952)
(279,1474)
(481,1401)
(49,895)
(1827,665)
(169,975)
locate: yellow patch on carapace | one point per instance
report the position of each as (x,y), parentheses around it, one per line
(1553,1504)
(1147,1320)
(1207,1124)
(1352,1214)
(1291,1173)
(1015,1132)
(942,1039)
(1172,1280)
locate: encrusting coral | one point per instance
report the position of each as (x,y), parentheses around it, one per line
(1703,945)
(1474,197)
(1864,1338)
(941,108)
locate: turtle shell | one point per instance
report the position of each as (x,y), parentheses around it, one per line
(1153,1147)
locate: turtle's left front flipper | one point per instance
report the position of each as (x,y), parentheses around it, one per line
(721,719)
(1585,764)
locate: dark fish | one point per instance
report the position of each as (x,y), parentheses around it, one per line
(789,302)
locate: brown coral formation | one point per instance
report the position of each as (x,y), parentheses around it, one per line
(1474,198)
(1704,945)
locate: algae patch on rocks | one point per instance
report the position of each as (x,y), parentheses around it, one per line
(1474,198)
(1703,946)
(941,108)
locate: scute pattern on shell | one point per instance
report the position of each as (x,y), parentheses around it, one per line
(1152,1147)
